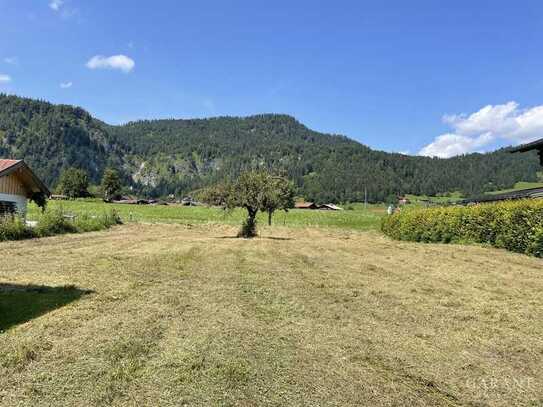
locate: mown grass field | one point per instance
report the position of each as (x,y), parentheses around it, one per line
(177,314)
(357,218)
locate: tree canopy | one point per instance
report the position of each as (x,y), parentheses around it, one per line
(254,191)
(74,183)
(111,184)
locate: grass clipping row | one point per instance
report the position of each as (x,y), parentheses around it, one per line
(55,222)
(514,225)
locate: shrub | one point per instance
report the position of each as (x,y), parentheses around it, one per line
(514,225)
(52,223)
(55,222)
(13,228)
(90,223)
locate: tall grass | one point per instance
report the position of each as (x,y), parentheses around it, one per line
(54,222)
(515,225)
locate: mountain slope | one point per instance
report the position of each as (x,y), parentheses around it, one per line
(325,167)
(53,137)
(178,156)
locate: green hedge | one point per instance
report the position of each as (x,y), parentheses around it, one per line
(54,222)
(514,225)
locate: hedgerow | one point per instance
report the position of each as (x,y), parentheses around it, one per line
(55,222)
(513,225)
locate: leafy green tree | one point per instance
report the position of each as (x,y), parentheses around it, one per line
(255,191)
(74,183)
(111,184)
(279,195)
(250,192)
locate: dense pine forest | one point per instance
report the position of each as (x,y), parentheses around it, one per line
(162,157)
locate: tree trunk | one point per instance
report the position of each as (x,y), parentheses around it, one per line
(270,214)
(248,228)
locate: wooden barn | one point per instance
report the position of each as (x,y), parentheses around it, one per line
(18,184)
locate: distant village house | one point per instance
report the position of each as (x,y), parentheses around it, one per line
(402,200)
(312,205)
(18,184)
(306,205)
(330,207)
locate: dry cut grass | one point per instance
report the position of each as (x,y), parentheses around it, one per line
(175,315)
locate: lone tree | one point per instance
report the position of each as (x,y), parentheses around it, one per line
(74,183)
(255,191)
(111,184)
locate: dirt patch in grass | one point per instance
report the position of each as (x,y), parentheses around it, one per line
(298,317)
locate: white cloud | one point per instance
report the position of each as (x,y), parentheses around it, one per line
(56,4)
(66,85)
(449,145)
(5,78)
(11,60)
(120,62)
(486,127)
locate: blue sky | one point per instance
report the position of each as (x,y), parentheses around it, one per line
(414,76)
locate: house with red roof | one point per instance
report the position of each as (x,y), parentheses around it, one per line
(18,184)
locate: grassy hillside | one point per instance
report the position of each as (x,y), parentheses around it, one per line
(160,157)
(174,315)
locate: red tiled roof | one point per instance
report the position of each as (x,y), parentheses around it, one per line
(24,173)
(5,164)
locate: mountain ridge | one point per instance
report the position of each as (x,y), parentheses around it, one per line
(162,156)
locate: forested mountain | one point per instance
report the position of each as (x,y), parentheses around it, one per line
(160,157)
(53,137)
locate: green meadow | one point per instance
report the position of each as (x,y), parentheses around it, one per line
(355,216)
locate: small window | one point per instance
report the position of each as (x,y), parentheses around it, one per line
(7,208)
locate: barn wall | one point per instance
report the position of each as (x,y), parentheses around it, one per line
(12,190)
(10,184)
(19,200)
